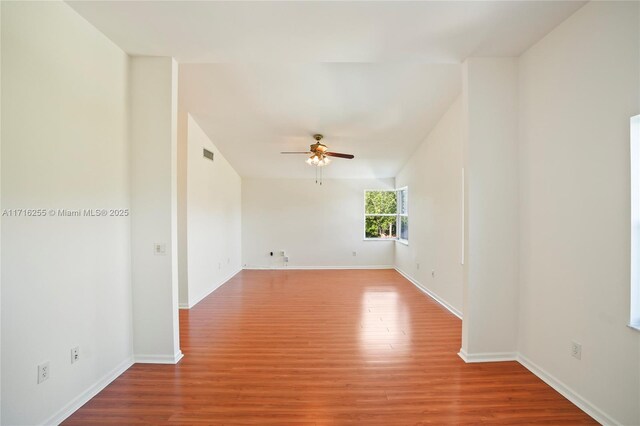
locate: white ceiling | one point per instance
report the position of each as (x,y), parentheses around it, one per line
(378,112)
(372,76)
(325,31)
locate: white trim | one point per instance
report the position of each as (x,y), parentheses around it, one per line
(575,398)
(199,299)
(488,356)
(284,268)
(586,406)
(634,149)
(89,393)
(159,359)
(429,293)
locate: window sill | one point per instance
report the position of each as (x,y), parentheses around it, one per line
(635,326)
(404,242)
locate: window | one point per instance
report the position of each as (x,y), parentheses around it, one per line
(403,215)
(380,214)
(634,320)
(386,215)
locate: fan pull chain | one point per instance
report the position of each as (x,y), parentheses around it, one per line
(321,176)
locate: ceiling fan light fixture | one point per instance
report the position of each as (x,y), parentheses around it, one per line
(319,154)
(318,160)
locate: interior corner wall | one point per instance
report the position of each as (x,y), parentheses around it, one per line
(578,87)
(153,144)
(183,254)
(213,216)
(490,296)
(66,280)
(318,226)
(433,176)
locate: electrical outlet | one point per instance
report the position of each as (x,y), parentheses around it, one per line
(355,253)
(43,372)
(576,350)
(286,259)
(75,354)
(282,253)
(433,273)
(417,266)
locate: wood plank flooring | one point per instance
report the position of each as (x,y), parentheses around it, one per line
(324,348)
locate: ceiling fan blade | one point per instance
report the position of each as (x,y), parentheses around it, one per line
(296,152)
(339,155)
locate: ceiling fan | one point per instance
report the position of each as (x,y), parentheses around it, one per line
(319,153)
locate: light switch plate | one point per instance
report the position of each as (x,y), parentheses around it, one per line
(159,249)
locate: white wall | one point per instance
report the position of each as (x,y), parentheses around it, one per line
(0,228)
(489,326)
(578,88)
(65,280)
(213,217)
(153,137)
(317,226)
(433,175)
(183,145)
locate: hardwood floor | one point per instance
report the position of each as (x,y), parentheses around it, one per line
(321,348)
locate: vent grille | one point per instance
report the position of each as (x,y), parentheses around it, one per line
(207,154)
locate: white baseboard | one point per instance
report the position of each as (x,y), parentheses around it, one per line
(586,406)
(575,398)
(200,298)
(488,356)
(429,293)
(159,359)
(89,393)
(284,268)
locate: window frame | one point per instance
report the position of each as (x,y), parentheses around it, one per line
(404,189)
(397,214)
(634,289)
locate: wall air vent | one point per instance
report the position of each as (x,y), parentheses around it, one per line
(207,154)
